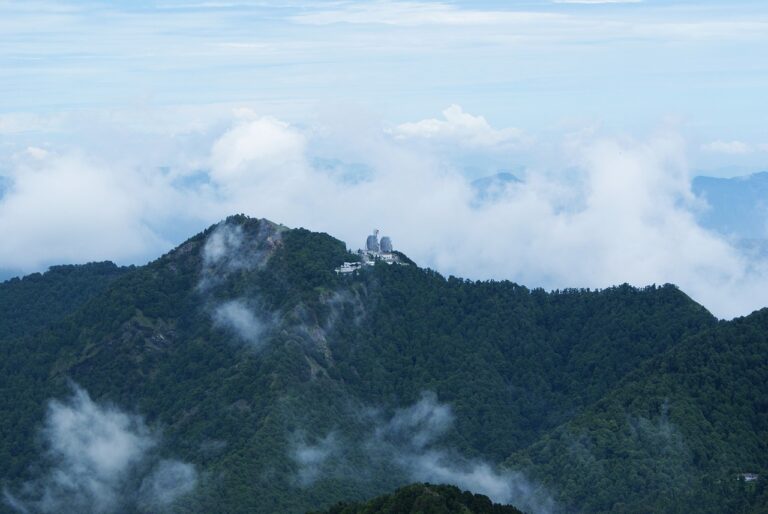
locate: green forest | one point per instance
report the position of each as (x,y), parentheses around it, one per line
(290,388)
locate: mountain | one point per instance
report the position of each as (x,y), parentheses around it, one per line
(737,208)
(492,187)
(418,498)
(240,373)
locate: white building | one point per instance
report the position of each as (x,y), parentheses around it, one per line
(349,267)
(375,251)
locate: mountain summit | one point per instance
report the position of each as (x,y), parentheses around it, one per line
(241,373)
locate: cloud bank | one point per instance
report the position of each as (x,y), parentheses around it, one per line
(101,460)
(591,210)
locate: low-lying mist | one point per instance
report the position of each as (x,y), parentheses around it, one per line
(98,458)
(407,444)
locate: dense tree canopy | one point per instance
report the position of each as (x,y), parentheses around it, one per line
(242,345)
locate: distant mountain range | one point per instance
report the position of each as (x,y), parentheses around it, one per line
(491,188)
(737,209)
(240,373)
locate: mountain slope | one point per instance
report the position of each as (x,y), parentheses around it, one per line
(39,299)
(684,425)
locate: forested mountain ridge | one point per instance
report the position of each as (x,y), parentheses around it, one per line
(36,300)
(288,388)
(685,424)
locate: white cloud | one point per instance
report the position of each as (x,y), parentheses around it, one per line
(414,14)
(36,152)
(16,123)
(95,453)
(459,127)
(227,250)
(236,316)
(311,458)
(254,149)
(507,487)
(597,2)
(536,25)
(168,481)
(409,439)
(72,209)
(408,445)
(728,147)
(418,425)
(223,245)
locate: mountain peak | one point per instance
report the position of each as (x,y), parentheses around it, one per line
(251,354)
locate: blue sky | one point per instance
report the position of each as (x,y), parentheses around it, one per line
(127,126)
(532,64)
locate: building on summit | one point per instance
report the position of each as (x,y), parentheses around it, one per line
(372,243)
(375,251)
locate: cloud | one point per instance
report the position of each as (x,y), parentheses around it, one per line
(414,14)
(597,2)
(224,245)
(419,425)
(535,25)
(226,251)
(410,439)
(459,127)
(408,445)
(18,123)
(168,481)
(55,200)
(101,460)
(540,60)
(728,147)
(312,458)
(262,161)
(255,150)
(507,487)
(237,317)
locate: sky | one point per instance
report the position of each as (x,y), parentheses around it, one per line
(126,127)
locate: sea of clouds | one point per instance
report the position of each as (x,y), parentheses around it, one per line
(590,209)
